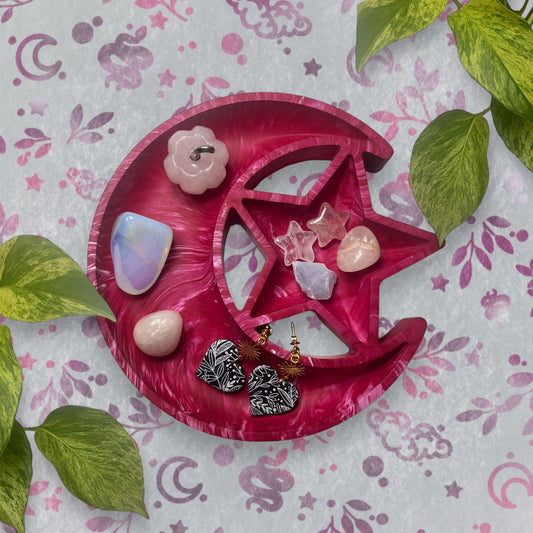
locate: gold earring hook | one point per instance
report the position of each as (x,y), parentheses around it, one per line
(292,368)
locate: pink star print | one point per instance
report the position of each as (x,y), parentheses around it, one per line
(329,225)
(34,182)
(52,503)
(166,78)
(453,490)
(297,244)
(440,282)
(179,527)
(314,322)
(307,501)
(473,358)
(27,361)
(38,107)
(299,444)
(158,20)
(312,67)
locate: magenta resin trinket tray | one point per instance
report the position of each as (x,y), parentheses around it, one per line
(263,133)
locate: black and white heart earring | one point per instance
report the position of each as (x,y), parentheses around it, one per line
(220,366)
(270,394)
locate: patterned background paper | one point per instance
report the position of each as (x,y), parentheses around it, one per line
(448,447)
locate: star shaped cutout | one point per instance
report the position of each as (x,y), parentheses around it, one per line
(52,503)
(440,283)
(34,182)
(27,361)
(166,78)
(297,244)
(352,312)
(158,20)
(329,225)
(307,501)
(453,490)
(38,107)
(178,528)
(312,67)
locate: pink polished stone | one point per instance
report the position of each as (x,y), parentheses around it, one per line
(358,250)
(196,176)
(158,334)
(297,244)
(329,225)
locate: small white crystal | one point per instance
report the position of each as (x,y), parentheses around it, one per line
(315,279)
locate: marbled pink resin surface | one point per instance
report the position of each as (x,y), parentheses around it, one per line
(263,132)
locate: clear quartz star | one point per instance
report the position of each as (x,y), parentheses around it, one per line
(297,244)
(329,225)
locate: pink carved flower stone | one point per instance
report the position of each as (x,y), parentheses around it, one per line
(196,160)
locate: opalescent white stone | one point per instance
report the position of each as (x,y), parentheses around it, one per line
(315,279)
(139,249)
(158,334)
(358,249)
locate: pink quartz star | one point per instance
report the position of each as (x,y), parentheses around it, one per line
(329,225)
(34,182)
(166,78)
(297,244)
(158,20)
(27,361)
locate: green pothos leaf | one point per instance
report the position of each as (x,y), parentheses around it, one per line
(10,386)
(95,457)
(382,22)
(39,281)
(449,170)
(15,478)
(495,45)
(516,132)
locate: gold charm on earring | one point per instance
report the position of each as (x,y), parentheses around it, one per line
(270,395)
(252,350)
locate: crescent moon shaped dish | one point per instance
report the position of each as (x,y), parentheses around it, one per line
(263,132)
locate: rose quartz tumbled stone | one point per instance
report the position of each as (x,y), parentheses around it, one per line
(158,334)
(358,249)
(195,177)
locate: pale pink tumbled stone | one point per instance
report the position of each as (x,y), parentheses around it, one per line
(358,250)
(158,334)
(196,176)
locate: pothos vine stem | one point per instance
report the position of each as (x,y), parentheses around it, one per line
(458,4)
